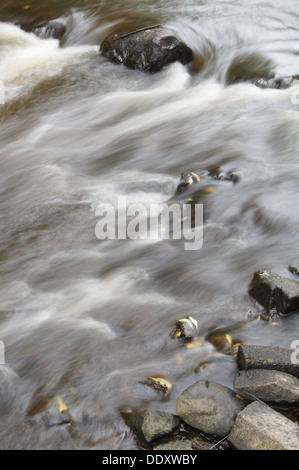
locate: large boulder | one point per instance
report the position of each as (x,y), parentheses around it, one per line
(271,386)
(147,49)
(259,427)
(254,356)
(209,407)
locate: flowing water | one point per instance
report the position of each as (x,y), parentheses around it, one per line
(85,321)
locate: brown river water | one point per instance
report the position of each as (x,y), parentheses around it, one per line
(84,321)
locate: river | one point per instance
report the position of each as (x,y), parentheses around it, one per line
(85,321)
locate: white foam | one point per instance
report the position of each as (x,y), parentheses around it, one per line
(26,59)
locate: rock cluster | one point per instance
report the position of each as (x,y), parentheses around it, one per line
(245,417)
(153,47)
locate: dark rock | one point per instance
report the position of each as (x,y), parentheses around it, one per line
(275,292)
(151,424)
(194,186)
(158,383)
(191,190)
(249,67)
(258,70)
(209,407)
(276,83)
(54,29)
(259,427)
(188,178)
(233,176)
(251,356)
(186,328)
(147,49)
(268,385)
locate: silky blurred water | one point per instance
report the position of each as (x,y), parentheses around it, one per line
(87,320)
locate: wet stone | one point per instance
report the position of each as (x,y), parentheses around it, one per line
(209,407)
(233,176)
(259,427)
(147,49)
(267,385)
(186,328)
(188,178)
(252,356)
(158,383)
(151,424)
(275,292)
(221,340)
(279,83)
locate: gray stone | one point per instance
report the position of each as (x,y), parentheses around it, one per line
(209,407)
(174,445)
(275,292)
(151,424)
(147,49)
(251,356)
(259,427)
(267,385)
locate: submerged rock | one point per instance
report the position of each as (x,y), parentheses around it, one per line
(259,427)
(249,67)
(54,29)
(276,83)
(267,385)
(209,407)
(151,424)
(188,179)
(191,189)
(221,340)
(275,292)
(147,49)
(192,185)
(233,176)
